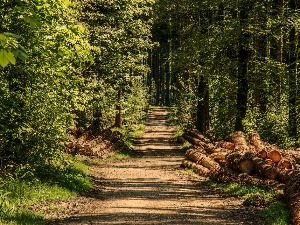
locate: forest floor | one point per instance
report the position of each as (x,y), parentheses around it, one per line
(151,188)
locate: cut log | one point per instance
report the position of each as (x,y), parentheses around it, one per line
(192,140)
(219,155)
(292,196)
(240,161)
(228,175)
(197,134)
(202,159)
(274,155)
(285,164)
(285,175)
(239,140)
(227,145)
(263,154)
(86,147)
(201,170)
(209,147)
(264,169)
(256,141)
(192,154)
(269,162)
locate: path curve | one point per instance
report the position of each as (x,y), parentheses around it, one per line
(151,188)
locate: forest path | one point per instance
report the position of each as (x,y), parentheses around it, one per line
(151,188)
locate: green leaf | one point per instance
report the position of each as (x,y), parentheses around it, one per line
(11,57)
(67,3)
(8,34)
(3,37)
(20,54)
(4,61)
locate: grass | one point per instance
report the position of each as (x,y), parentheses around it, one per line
(129,133)
(56,179)
(51,182)
(273,211)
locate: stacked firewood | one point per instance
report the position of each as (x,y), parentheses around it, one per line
(254,162)
(101,146)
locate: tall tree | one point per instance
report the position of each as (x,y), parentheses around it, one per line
(293,129)
(243,58)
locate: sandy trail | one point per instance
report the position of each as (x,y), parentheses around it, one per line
(151,188)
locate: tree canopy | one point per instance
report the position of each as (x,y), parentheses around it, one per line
(94,64)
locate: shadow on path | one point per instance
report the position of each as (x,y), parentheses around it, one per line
(151,188)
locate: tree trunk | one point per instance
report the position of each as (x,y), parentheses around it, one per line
(118,118)
(293,78)
(243,57)
(203,106)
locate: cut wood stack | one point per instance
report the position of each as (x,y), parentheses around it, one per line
(100,146)
(257,163)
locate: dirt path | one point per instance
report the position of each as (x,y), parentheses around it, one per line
(151,188)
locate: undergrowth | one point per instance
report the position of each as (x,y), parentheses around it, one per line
(39,184)
(129,133)
(60,178)
(273,212)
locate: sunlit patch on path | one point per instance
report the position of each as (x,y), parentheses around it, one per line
(151,188)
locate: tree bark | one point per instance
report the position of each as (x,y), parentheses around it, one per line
(118,118)
(293,78)
(202,123)
(243,57)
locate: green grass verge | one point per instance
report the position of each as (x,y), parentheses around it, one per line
(274,212)
(129,133)
(51,182)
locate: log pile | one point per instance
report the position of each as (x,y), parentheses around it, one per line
(100,146)
(254,162)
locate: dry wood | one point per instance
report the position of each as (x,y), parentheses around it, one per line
(263,154)
(292,196)
(202,159)
(274,155)
(192,140)
(269,162)
(296,155)
(221,150)
(209,147)
(196,134)
(256,141)
(285,175)
(203,171)
(194,154)
(239,140)
(228,175)
(285,164)
(227,145)
(264,169)
(240,161)
(218,155)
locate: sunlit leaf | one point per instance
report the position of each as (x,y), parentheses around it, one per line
(10,56)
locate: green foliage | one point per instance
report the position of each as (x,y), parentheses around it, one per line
(277,213)
(274,212)
(247,192)
(21,190)
(204,39)
(61,65)
(75,56)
